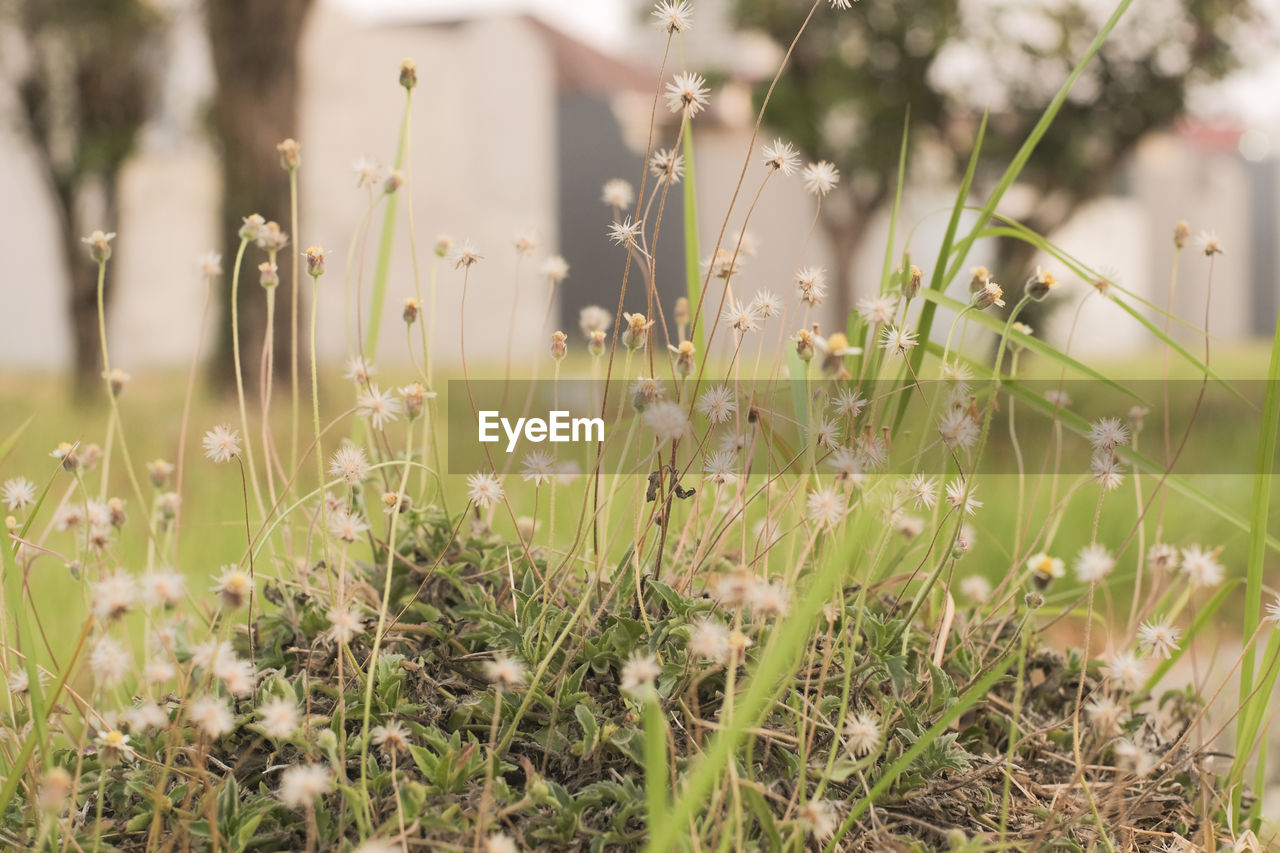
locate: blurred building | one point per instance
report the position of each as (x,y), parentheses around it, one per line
(516,125)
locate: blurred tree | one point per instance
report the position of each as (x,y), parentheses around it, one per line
(854,73)
(85,89)
(255,54)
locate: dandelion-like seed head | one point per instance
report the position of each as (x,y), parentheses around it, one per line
(863,732)
(380,407)
(211,716)
(673,16)
(1159,638)
(222,444)
(1201,567)
(667,420)
(639,674)
(505,671)
(667,166)
(687,94)
(1094,563)
(391,737)
(618,193)
(820,178)
(466,256)
(897,341)
(233,587)
(781,157)
(484,489)
(302,784)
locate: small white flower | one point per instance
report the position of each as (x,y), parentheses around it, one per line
(163,587)
(719,466)
(618,193)
(593,318)
(673,16)
(976,588)
(1159,638)
(347,526)
(639,674)
(1106,714)
(717,404)
(148,715)
(741,316)
(896,341)
(811,282)
(709,640)
(367,171)
(1046,568)
(1126,671)
(1093,563)
(500,842)
(878,310)
(233,587)
(359,370)
(848,402)
(1108,433)
(538,466)
(506,671)
(1162,557)
(769,599)
(961,496)
(211,716)
(820,818)
(1059,399)
(667,420)
(766,304)
(1201,567)
(279,717)
(484,489)
(826,433)
(841,4)
(625,233)
(781,157)
(114,595)
(825,506)
(555,269)
(109,662)
(222,444)
(1106,470)
(210,264)
(958,430)
(923,489)
(863,731)
(1273,611)
(350,464)
(303,784)
(667,166)
(345,623)
(687,93)
(465,256)
(380,407)
(18,493)
(820,178)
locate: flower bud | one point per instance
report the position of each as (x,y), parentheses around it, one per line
(1039,285)
(989,294)
(394,181)
(911,289)
(1034,600)
(252,227)
(115,512)
(408,74)
(268,276)
(66,454)
(636,334)
(682,312)
(443,244)
(804,345)
(159,471)
(90,456)
(684,357)
(315,261)
(99,244)
(1181,233)
(272,238)
(412,308)
(415,399)
(979,278)
(290,154)
(595,344)
(559,347)
(116,379)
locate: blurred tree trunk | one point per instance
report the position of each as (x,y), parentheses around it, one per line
(255,54)
(85,93)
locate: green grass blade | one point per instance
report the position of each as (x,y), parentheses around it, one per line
(897,202)
(976,693)
(385,244)
(1258,540)
(655,760)
(1032,344)
(938,280)
(692,277)
(1033,139)
(6,447)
